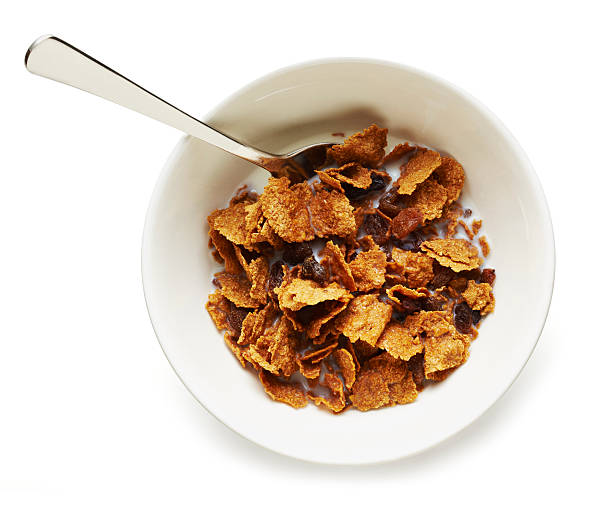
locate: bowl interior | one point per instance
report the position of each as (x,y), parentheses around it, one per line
(306,104)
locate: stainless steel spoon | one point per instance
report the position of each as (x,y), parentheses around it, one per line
(53,58)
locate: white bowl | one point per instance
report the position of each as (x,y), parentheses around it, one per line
(305,104)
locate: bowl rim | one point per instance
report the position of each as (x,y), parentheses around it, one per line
(530,174)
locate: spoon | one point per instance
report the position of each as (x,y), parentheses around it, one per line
(53,58)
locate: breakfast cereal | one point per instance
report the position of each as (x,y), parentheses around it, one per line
(350,289)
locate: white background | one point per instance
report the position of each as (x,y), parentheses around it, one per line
(92,417)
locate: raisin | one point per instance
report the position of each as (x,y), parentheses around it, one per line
(472,274)
(442,275)
(406,222)
(432,303)
(459,284)
(297,253)
(313,270)
(467,212)
(378,227)
(353,193)
(389,209)
(378,182)
(276,277)
(235,317)
(416,366)
(463,318)
(411,305)
(476,316)
(488,276)
(387,204)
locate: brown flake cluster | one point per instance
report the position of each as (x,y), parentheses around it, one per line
(385,306)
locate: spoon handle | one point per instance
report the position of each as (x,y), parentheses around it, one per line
(53,58)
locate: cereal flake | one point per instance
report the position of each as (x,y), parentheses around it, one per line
(292,394)
(418,168)
(451,176)
(364,319)
(416,267)
(479,296)
(237,289)
(399,342)
(366,147)
(429,197)
(286,209)
(368,269)
(458,254)
(369,391)
(332,214)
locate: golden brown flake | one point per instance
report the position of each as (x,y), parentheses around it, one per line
(367,147)
(346,363)
(458,254)
(399,342)
(336,400)
(330,181)
(416,267)
(398,152)
(429,197)
(255,324)
(322,322)
(275,351)
(399,292)
(258,357)
(318,355)
(225,248)
(364,319)
(237,289)
(405,391)
(282,348)
(451,176)
(363,350)
(229,222)
(369,391)
(218,307)
(286,209)
(368,269)
(484,245)
(257,272)
(270,236)
(445,351)
(258,228)
(418,168)
(333,257)
(332,214)
(308,369)
(479,296)
(391,369)
(429,323)
(445,347)
(351,173)
(297,293)
(476,226)
(292,394)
